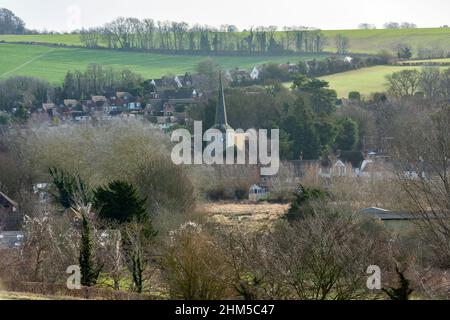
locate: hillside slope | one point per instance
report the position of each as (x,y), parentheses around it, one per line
(361,41)
(52,63)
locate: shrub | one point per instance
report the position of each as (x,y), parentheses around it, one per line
(194,265)
(322,257)
(128,151)
(302,206)
(354,95)
(119,202)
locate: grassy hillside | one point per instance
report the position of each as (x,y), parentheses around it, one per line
(361,41)
(53,63)
(366,81)
(372,41)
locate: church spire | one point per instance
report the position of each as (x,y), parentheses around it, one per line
(221,111)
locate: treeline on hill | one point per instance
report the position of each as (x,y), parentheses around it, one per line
(147,34)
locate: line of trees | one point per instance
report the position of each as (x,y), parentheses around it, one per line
(430,83)
(147,34)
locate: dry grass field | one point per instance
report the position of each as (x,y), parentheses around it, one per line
(251,215)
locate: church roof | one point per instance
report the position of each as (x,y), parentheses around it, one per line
(5,201)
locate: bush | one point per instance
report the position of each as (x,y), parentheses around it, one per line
(119,202)
(354,95)
(194,265)
(302,207)
(322,257)
(128,151)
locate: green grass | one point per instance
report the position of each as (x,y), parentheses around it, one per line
(66,39)
(361,41)
(445,60)
(373,41)
(366,80)
(53,63)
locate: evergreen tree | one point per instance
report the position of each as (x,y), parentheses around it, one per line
(68,188)
(301,206)
(119,202)
(138,271)
(89,273)
(348,135)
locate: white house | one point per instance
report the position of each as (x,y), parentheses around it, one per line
(255,74)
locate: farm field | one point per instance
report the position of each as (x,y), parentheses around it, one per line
(366,80)
(373,41)
(445,60)
(53,63)
(361,41)
(250,215)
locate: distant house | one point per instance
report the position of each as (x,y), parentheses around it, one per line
(9,217)
(348,59)
(255,73)
(126,96)
(70,103)
(48,107)
(99,99)
(257,193)
(338,169)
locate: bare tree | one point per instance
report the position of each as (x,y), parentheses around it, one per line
(91,37)
(424,152)
(319,258)
(403,83)
(342,44)
(366,26)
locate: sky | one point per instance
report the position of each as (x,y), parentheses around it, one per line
(67,15)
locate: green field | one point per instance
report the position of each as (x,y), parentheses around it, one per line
(372,41)
(361,41)
(446,60)
(53,63)
(366,81)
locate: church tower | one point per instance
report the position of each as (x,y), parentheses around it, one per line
(221,122)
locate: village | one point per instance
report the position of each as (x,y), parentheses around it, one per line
(161,113)
(255,151)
